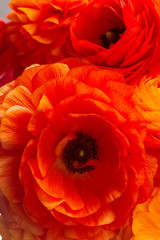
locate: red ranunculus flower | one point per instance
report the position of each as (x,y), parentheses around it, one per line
(72,154)
(7,52)
(39,29)
(122,34)
(2,32)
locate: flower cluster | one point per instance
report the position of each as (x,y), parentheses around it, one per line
(80,120)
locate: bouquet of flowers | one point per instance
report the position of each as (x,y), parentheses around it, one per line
(80,120)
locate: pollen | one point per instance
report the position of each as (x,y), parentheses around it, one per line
(81,153)
(111,37)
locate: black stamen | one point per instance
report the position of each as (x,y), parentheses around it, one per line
(78,151)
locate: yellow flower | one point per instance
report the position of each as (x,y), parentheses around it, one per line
(146,219)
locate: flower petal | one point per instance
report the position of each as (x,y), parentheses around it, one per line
(14,133)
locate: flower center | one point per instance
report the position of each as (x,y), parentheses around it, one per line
(78,152)
(111,36)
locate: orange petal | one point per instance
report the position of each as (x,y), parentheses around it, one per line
(31,201)
(42,39)
(64,219)
(93,233)
(79,199)
(5,89)
(32,13)
(14,133)
(29,152)
(52,88)
(48,73)
(9,181)
(102,217)
(39,120)
(89,75)
(48,201)
(37,123)
(30,28)
(144,221)
(154,206)
(26,77)
(45,154)
(149,233)
(18,96)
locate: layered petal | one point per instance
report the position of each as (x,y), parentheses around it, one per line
(72,156)
(121,35)
(38,30)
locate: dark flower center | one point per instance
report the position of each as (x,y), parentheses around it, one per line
(78,152)
(111,36)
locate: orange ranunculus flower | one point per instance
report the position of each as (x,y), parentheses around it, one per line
(146,218)
(72,153)
(39,29)
(123,35)
(146,99)
(7,53)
